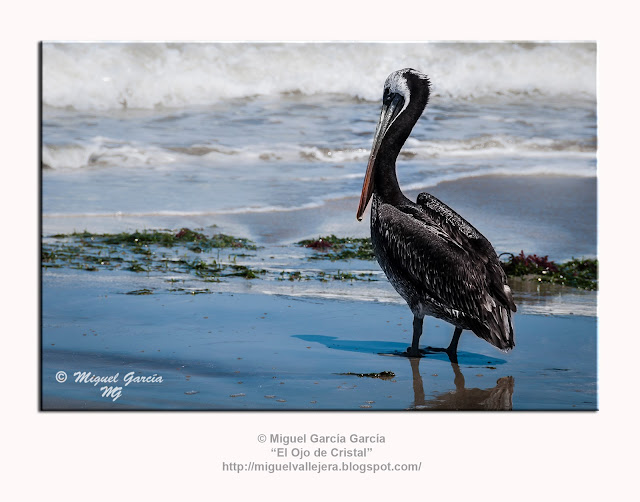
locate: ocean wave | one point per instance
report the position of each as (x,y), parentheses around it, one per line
(106,152)
(107,76)
(168,213)
(500,145)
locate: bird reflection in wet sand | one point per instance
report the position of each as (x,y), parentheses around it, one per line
(435,259)
(498,398)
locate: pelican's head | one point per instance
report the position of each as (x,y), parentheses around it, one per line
(406,93)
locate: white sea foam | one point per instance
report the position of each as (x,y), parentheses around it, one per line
(106,152)
(498,146)
(101,151)
(99,76)
(147,214)
(561,305)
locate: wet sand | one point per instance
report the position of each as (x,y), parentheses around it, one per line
(227,351)
(537,214)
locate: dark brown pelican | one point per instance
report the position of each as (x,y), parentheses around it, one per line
(437,261)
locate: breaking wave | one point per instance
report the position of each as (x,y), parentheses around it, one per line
(107,76)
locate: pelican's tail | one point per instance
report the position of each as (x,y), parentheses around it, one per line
(506,337)
(497,328)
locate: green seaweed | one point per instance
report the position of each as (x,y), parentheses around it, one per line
(136,267)
(336,248)
(295,275)
(344,276)
(245,272)
(162,238)
(147,251)
(140,252)
(202,269)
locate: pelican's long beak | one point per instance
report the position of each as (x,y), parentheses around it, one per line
(390,110)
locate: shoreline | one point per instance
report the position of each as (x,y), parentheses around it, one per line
(191,262)
(537,214)
(531,213)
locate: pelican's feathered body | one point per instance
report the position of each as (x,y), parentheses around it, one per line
(437,261)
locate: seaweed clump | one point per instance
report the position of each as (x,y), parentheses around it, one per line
(339,248)
(196,240)
(577,273)
(142,252)
(383,375)
(164,238)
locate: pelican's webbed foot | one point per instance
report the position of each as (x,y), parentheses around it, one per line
(452,349)
(411,352)
(452,353)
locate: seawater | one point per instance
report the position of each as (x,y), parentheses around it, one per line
(135,135)
(99,76)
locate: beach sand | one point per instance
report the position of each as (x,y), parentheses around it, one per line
(537,214)
(227,351)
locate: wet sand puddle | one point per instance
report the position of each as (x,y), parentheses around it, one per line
(244,351)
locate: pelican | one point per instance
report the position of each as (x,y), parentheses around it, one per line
(436,260)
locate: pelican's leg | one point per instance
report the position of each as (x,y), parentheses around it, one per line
(452,349)
(413,351)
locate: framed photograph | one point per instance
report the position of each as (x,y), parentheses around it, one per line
(319,226)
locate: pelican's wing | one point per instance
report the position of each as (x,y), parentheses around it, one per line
(449,263)
(462,232)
